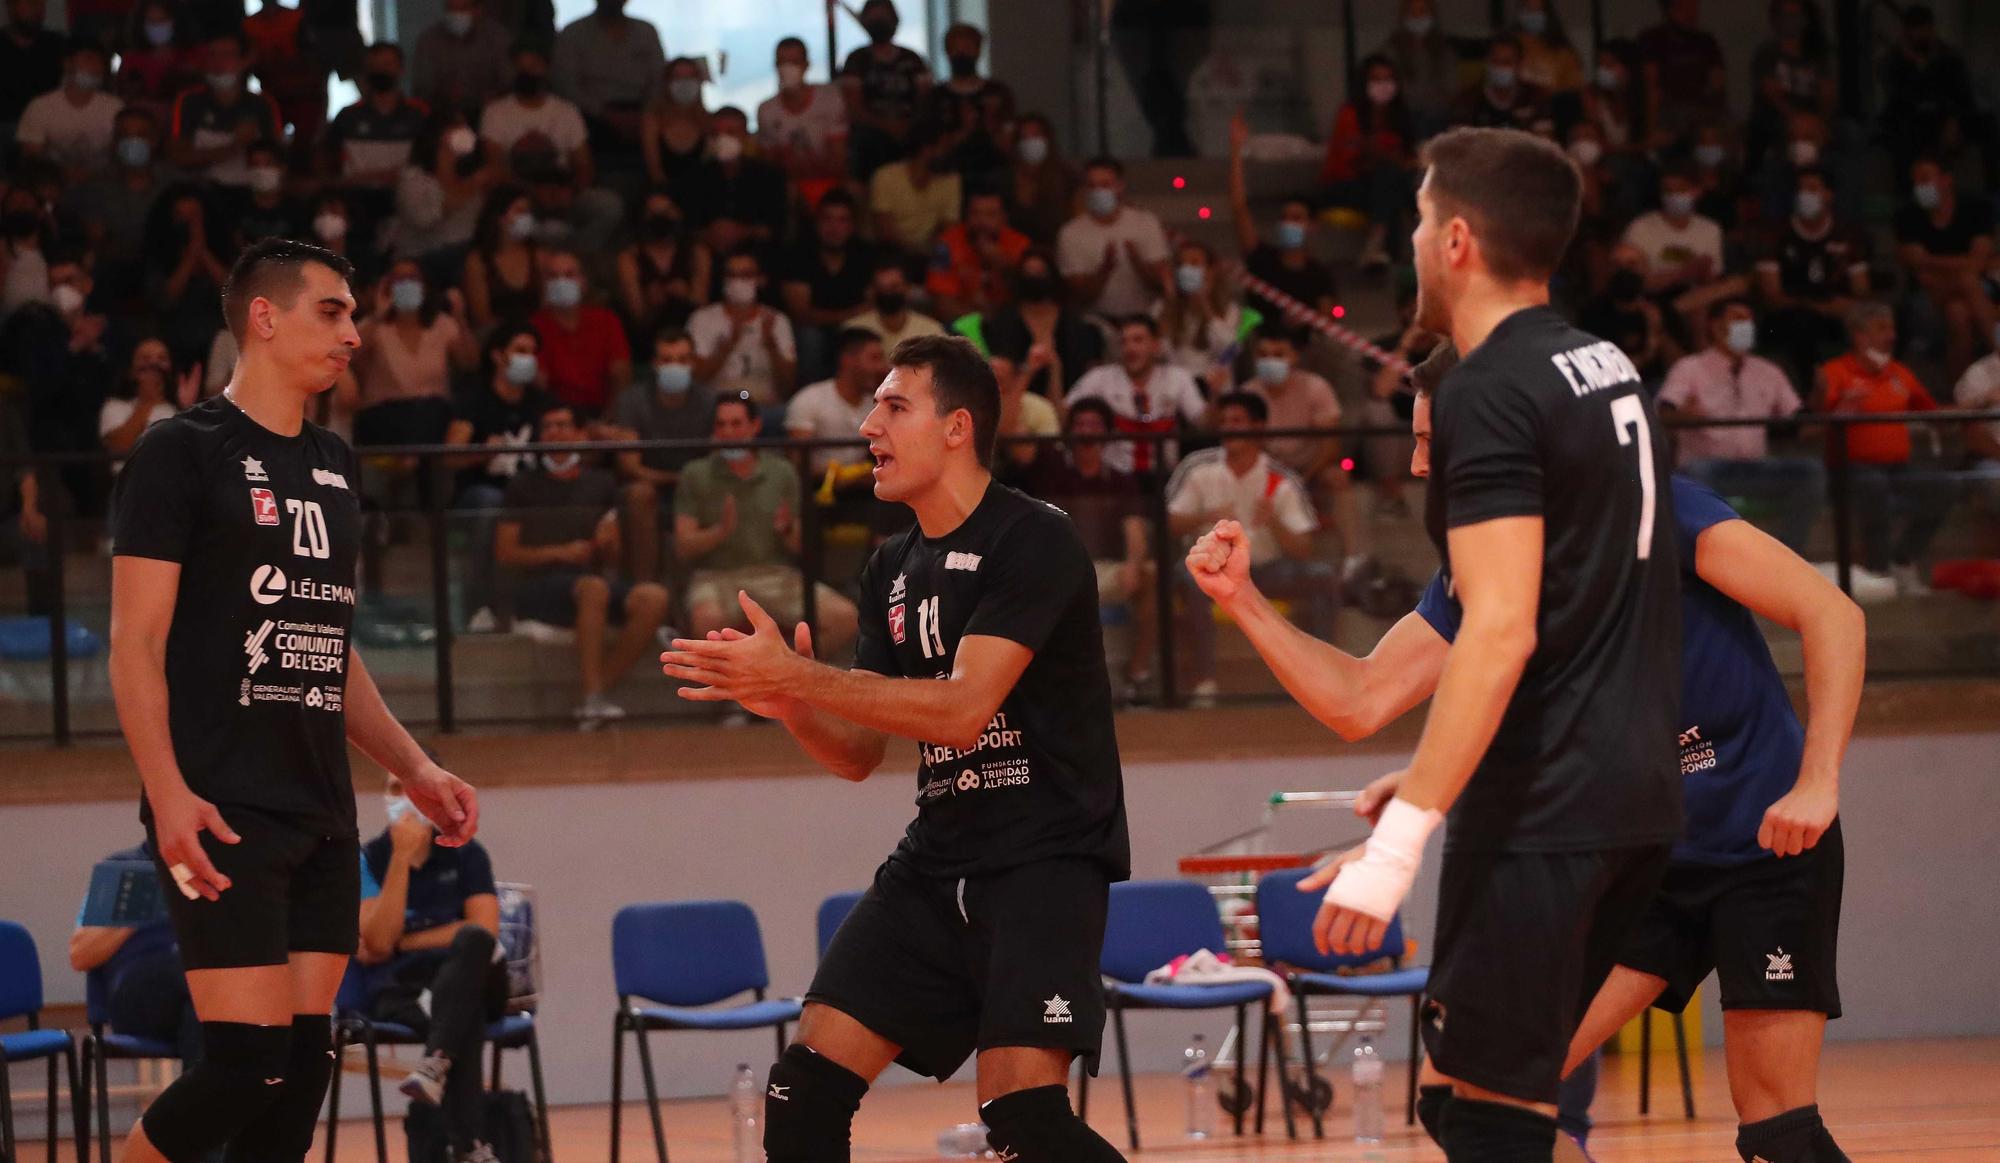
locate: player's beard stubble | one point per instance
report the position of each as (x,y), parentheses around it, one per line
(1433,311)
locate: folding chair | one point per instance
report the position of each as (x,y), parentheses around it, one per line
(1151,922)
(1646,1063)
(685,957)
(21,997)
(1284,926)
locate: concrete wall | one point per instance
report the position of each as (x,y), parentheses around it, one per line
(1920,937)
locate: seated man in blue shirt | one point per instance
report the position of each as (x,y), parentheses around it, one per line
(1752,890)
(434,927)
(146,988)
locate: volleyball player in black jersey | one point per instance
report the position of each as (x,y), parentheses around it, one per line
(236,527)
(979,639)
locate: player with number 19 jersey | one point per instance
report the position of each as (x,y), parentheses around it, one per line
(1548,421)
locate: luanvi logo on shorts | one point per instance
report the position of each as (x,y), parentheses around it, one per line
(1056,1012)
(1780,967)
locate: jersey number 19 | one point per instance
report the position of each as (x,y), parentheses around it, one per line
(929,632)
(1628,415)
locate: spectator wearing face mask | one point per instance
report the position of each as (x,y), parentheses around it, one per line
(610,64)
(1500,99)
(664,274)
(1296,398)
(673,135)
(278,41)
(1945,240)
(72,126)
(911,200)
(1040,186)
(1726,381)
(1624,314)
(537,129)
(1928,98)
(884,85)
(1792,72)
(1201,324)
(560,532)
(890,314)
(148,393)
(731,184)
(1683,252)
(31,61)
(113,207)
(740,344)
(58,350)
(496,413)
(1718,179)
(368,145)
(664,403)
(1686,83)
(1370,158)
(333,226)
(1812,270)
(215,122)
(411,343)
(461,62)
(1548,60)
(1039,321)
(973,263)
(25,232)
(584,352)
(1809,143)
(1900,509)
(503,270)
(826,278)
(1427,63)
(184,275)
(1284,262)
(1615,100)
(1607,204)
(157,57)
(803,130)
(439,192)
(971,109)
(1113,254)
(268,212)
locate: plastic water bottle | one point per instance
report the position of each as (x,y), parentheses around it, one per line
(746,1110)
(964,1141)
(1200,1090)
(1367,1092)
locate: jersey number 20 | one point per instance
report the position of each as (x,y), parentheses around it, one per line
(1628,415)
(309,537)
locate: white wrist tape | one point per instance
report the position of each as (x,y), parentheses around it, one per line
(1377,883)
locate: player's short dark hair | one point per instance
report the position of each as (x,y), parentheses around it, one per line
(270,269)
(851,340)
(503,337)
(1140,319)
(964,29)
(1105,162)
(1505,40)
(1720,307)
(1250,402)
(732,399)
(793,42)
(1803,172)
(960,378)
(838,196)
(78,45)
(388,46)
(1430,371)
(1277,330)
(1682,168)
(671,335)
(1095,407)
(1520,193)
(233,35)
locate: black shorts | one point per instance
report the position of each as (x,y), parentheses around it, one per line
(1524,940)
(944,968)
(292,890)
(549,596)
(1769,929)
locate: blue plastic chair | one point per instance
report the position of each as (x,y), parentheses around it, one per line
(1150,923)
(103,1045)
(1284,921)
(513,1030)
(674,962)
(832,911)
(21,997)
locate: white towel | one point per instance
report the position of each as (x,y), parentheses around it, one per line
(1205,968)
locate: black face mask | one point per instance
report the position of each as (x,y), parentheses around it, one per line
(529,84)
(881,31)
(661,225)
(384,82)
(1037,289)
(964,66)
(21,224)
(890,302)
(1626,286)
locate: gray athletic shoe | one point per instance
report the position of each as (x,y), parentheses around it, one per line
(426,1080)
(480,1153)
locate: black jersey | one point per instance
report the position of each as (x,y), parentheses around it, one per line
(1546,420)
(1043,780)
(265,528)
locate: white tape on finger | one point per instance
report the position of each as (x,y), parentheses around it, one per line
(184,880)
(1376,884)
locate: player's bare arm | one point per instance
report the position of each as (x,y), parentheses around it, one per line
(143,592)
(448,801)
(1355,697)
(1754,569)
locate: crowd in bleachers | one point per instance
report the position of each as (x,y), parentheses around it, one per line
(555,236)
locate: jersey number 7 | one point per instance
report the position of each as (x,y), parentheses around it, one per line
(1628,416)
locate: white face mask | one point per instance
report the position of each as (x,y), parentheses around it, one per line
(461,140)
(791,76)
(561,461)
(1381,92)
(521,229)
(1678,205)
(727,148)
(1877,357)
(1742,336)
(67,299)
(1587,151)
(739,292)
(330,227)
(1033,150)
(458,23)
(1810,203)
(266,179)
(1804,153)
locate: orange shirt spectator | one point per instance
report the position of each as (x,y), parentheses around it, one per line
(974,273)
(1853,384)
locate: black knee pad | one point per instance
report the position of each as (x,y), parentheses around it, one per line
(474,941)
(809,1108)
(241,1074)
(1495,1132)
(1037,1126)
(1431,1101)
(283,1131)
(1792,1137)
